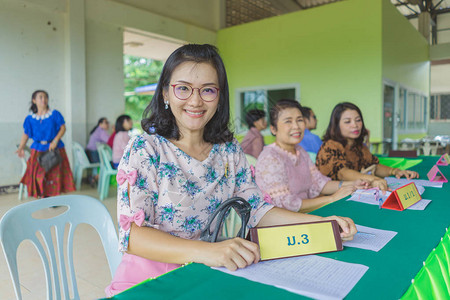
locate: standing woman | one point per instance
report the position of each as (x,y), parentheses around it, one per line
(176,174)
(343,155)
(45,127)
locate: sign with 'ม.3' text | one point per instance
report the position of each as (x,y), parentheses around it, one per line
(297,239)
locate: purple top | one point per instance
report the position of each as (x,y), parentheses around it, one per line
(99,135)
(43,129)
(288,178)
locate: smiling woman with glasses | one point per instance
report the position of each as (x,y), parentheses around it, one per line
(177,173)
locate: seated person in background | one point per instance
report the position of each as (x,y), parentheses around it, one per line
(111,138)
(123,125)
(253,141)
(343,155)
(284,170)
(310,142)
(99,134)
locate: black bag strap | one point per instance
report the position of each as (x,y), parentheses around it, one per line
(241,207)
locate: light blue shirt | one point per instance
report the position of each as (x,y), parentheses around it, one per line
(311,142)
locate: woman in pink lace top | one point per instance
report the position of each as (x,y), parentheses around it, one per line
(285,172)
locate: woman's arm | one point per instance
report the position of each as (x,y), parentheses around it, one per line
(55,141)
(160,246)
(348,174)
(23,142)
(385,171)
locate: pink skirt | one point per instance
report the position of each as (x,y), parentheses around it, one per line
(135,269)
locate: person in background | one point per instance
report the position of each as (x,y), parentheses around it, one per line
(253,141)
(343,155)
(285,172)
(310,141)
(124,123)
(99,134)
(45,127)
(173,178)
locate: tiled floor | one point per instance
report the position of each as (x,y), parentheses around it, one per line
(91,267)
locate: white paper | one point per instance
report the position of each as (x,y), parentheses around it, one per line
(312,276)
(395,183)
(368,197)
(421,205)
(370,238)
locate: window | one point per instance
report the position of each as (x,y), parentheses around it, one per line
(412,110)
(262,98)
(440,107)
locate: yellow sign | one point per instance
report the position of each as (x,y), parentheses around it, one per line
(298,239)
(408,195)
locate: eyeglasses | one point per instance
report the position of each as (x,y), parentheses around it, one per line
(184,91)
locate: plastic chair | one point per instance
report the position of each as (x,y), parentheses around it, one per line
(23,191)
(106,170)
(18,225)
(80,163)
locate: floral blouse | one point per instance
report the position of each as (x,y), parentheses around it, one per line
(288,178)
(175,193)
(333,157)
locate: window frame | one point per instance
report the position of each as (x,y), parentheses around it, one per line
(240,127)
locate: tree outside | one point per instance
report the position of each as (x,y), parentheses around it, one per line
(139,71)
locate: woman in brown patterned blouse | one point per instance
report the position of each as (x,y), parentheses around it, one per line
(343,156)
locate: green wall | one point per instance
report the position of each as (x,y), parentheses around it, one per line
(333,52)
(405,51)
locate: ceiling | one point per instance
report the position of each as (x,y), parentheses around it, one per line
(145,44)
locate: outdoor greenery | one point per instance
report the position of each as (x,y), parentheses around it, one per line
(139,71)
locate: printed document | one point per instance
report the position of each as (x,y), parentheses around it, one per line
(370,238)
(394,183)
(311,276)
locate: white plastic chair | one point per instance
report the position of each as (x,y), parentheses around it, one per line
(106,170)
(80,163)
(18,225)
(23,192)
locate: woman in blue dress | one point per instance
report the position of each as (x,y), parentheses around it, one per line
(45,127)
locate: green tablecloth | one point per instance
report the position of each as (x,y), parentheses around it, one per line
(390,273)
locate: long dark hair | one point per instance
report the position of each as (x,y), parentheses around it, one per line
(334,131)
(33,106)
(279,106)
(119,122)
(157,119)
(100,121)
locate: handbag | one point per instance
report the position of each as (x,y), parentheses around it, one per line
(49,159)
(241,207)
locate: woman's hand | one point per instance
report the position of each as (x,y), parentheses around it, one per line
(380,183)
(407,173)
(361,184)
(52,146)
(348,228)
(232,254)
(20,152)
